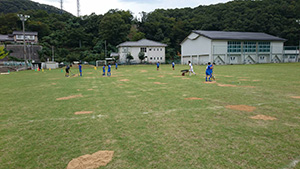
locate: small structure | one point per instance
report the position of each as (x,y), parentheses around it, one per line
(154,51)
(17,37)
(221,47)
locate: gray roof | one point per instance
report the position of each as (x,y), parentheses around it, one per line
(222,35)
(143,43)
(5,38)
(26,33)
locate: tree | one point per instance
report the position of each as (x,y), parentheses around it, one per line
(129,57)
(3,52)
(141,56)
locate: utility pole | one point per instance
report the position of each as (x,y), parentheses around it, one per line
(298,21)
(78,8)
(105,48)
(23,18)
(52,54)
(61,6)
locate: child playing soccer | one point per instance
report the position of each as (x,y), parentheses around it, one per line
(80,69)
(103,68)
(67,71)
(191,69)
(208,71)
(173,65)
(157,66)
(108,70)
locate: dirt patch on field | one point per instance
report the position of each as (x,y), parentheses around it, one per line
(53,83)
(144,71)
(227,76)
(255,80)
(89,73)
(159,83)
(241,107)
(83,112)
(177,76)
(161,76)
(69,97)
(263,117)
(295,97)
(210,82)
(151,78)
(193,98)
(90,89)
(226,85)
(78,89)
(124,80)
(186,78)
(100,158)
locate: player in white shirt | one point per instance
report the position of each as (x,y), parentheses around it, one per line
(191,69)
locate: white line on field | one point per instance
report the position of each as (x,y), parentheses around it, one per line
(293,164)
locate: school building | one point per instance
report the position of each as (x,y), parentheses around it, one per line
(154,51)
(221,47)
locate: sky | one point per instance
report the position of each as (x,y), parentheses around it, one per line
(88,7)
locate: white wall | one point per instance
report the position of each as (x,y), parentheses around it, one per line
(277,47)
(156,53)
(195,45)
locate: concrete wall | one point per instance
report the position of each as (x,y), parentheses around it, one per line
(17,51)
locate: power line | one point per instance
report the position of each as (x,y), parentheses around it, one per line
(78,8)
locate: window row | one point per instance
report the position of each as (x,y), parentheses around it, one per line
(150,49)
(156,58)
(21,37)
(237,47)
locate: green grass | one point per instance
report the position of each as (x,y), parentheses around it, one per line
(151,125)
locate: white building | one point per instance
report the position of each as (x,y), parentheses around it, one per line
(223,47)
(154,51)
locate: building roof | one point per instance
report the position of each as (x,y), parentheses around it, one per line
(222,35)
(142,43)
(26,33)
(4,38)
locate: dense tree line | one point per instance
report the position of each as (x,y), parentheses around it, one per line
(85,38)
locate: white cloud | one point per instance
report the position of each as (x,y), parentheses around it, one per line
(100,6)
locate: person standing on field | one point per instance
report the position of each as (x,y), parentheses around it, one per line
(208,71)
(109,70)
(173,65)
(157,66)
(191,69)
(80,69)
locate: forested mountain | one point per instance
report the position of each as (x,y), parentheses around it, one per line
(84,38)
(14,6)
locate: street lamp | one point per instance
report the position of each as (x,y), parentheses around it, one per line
(24,18)
(298,21)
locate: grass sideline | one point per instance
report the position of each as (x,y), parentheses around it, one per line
(141,114)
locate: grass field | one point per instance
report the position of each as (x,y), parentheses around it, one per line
(144,116)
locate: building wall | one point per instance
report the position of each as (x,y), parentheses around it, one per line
(196,46)
(17,51)
(154,54)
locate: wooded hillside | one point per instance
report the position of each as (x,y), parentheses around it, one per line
(84,38)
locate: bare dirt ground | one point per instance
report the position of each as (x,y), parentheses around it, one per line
(193,98)
(83,112)
(100,158)
(69,97)
(241,107)
(263,117)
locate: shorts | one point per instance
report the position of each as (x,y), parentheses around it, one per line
(208,73)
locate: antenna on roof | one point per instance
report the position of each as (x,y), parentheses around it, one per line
(61,6)
(78,8)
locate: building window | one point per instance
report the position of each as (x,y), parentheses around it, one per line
(160,58)
(150,58)
(154,58)
(143,50)
(233,47)
(125,50)
(263,46)
(262,58)
(150,49)
(232,58)
(249,47)
(153,49)
(160,49)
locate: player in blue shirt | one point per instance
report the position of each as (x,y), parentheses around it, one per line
(80,69)
(103,68)
(108,70)
(116,65)
(173,65)
(208,71)
(157,66)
